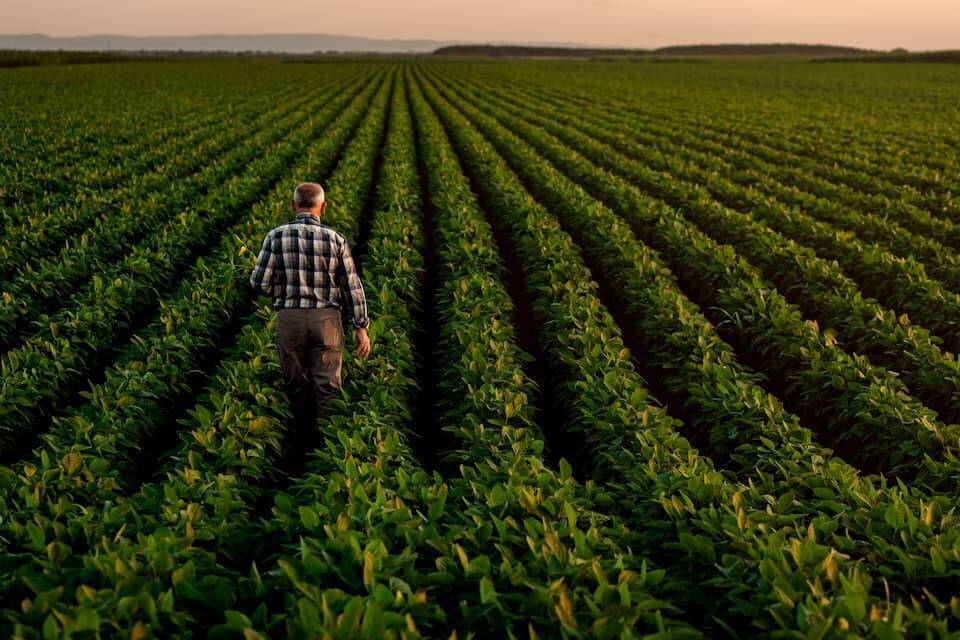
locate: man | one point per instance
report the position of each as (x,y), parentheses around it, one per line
(308,270)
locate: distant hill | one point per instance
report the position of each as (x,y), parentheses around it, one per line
(308,43)
(279,43)
(523,51)
(765,49)
(497,51)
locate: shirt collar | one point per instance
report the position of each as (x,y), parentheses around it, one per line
(308,218)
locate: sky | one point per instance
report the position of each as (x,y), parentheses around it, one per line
(880,24)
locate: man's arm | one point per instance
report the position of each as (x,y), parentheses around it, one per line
(355,300)
(261,278)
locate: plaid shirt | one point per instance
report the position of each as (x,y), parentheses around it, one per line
(305,265)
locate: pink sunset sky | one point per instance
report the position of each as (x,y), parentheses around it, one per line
(882,24)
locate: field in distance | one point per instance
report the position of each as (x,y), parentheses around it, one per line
(659,350)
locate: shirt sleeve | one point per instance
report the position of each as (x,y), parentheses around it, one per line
(354,299)
(261,279)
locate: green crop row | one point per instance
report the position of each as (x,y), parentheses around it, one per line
(770,566)
(333,531)
(38,375)
(97,159)
(168,559)
(864,191)
(537,242)
(37,172)
(48,284)
(61,150)
(777,178)
(909,231)
(918,175)
(845,396)
(720,400)
(544,521)
(401,552)
(347,190)
(922,211)
(872,187)
(57,217)
(99,441)
(818,286)
(872,217)
(874,223)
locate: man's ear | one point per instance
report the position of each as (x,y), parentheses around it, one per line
(323,207)
(293,206)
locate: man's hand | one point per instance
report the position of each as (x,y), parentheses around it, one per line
(363,344)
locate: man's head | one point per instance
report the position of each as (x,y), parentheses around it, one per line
(308,197)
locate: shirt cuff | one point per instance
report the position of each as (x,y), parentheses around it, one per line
(361,323)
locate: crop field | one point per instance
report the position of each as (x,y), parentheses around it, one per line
(659,349)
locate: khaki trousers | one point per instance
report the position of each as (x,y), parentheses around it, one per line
(310,342)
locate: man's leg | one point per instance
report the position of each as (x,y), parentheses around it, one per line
(326,356)
(293,345)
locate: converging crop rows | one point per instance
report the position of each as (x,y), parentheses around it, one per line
(658,350)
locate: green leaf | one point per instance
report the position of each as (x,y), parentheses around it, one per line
(309,517)
(51,630)
(373,624)
(498,496)
(85,620)
(571,514)
(937,559)
(437,507)
(237,620)
(309,615)
(488,594)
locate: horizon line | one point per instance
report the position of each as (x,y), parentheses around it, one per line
(491,42)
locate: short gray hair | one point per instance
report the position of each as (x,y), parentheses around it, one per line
(308,195)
